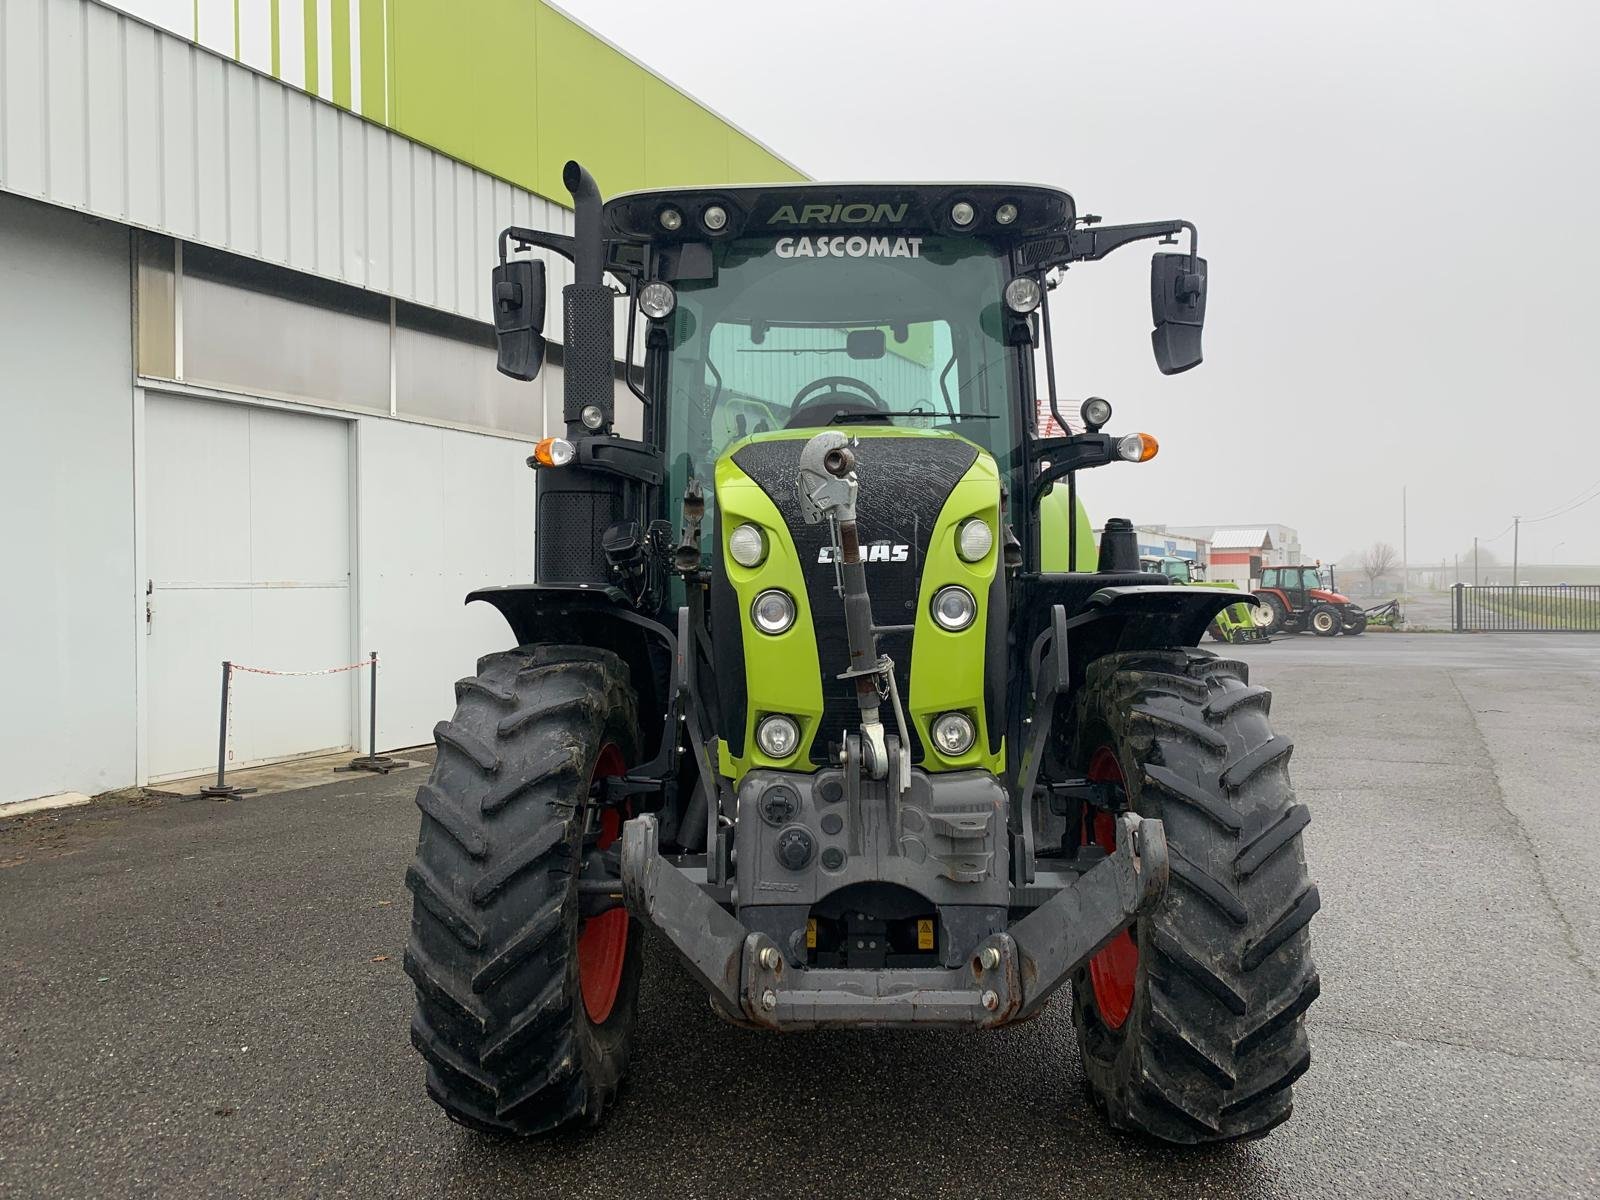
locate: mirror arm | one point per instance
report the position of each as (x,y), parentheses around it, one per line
(562,243)
(1068,455)
(1096,241)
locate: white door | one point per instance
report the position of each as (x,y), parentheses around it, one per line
(247,534)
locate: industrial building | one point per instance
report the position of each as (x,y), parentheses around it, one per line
(1238,552)
(249,408)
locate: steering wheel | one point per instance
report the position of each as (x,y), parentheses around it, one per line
(831,401)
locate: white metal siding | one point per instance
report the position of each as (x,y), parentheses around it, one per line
(103,113)
(68,612)
(442,513)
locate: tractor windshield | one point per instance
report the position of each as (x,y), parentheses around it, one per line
(904,330)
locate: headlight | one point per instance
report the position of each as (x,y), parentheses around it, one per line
(715,217)
(954,608)
(772,611)
(778,736)
(657,300)
(974,539)
(1022,294)
(962,213)
(671,219)
(1006,213)
(748,546)
(953,733)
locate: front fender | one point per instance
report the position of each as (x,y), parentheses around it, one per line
(577,614)
(1149,617)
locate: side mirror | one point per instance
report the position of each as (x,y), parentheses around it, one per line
(519,317)
(1178,309)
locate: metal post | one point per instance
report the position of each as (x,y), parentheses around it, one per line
(1516,547)
(372,760)
(222,789)
(1474,562)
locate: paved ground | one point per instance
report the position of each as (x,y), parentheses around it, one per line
(206,1000)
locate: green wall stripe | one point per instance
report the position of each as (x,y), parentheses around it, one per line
(341,52)
(277,43)
(374,67)
(311,45)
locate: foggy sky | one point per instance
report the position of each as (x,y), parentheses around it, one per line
(1395,200)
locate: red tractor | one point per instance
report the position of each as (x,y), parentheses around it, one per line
(1293,599)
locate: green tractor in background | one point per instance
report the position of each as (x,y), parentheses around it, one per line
(823,680)
(1234,624)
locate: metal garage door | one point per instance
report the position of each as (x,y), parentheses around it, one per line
(247,535)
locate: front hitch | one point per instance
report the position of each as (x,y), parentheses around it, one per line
(1009,977)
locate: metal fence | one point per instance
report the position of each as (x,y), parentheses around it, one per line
(1526,608)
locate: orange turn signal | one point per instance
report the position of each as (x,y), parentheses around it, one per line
(551,452)
(1137,447)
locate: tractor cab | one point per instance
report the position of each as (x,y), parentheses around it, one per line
(1178,570)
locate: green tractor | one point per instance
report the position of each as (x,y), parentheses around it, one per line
(1234,624)
(807,685)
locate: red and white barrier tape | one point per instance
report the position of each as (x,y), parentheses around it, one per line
(355,666)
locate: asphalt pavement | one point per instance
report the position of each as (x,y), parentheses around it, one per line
(203,999)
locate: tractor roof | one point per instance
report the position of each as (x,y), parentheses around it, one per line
(865,208)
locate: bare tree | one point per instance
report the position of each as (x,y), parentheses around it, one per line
(1377,560)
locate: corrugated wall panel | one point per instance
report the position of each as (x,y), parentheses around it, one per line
(102,113)
(178,187)
(66,99)
(105,59)
(141,106)
(242,153)
(210,152)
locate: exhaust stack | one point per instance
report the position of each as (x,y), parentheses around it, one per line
(588,330)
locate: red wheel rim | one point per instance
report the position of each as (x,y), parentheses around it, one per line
(603,940)
(1112,971)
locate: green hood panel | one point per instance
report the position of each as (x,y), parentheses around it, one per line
(909,540)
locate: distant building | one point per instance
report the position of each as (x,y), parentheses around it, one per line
(1238,552)
(1158,541)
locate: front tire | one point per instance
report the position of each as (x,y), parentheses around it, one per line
(1356,625)
(1326,621)
(1191,1025)
(1277,616)
(525,1007)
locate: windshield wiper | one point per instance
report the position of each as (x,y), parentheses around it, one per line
(878,415)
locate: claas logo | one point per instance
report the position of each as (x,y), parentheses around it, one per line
(876,552)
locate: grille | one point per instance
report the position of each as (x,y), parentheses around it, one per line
(905,482)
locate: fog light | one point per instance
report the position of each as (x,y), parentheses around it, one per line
(715,217)
(747,545)
(954,608)
(671,218)
(772,612)
(963,213)
(954,733)
(778,736)
(974,539)
(1006,213)
(1138,447)
(657,300)
(1095,412)
(1022,294)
